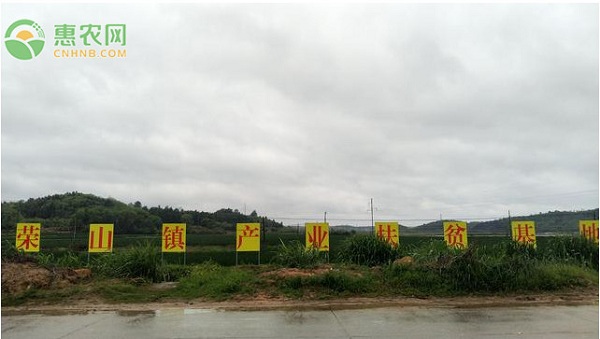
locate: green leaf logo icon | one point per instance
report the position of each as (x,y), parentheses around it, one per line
(24,39)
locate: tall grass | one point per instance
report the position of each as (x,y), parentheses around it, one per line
(296,255)
(68,259)
(141,261)
(368,250)
(576,250)
(503,267)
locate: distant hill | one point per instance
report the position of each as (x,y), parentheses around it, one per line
(549,222)
(350,228)
(545,223)
(65,212)
(362,229)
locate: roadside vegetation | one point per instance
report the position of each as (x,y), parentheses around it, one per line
(362,266)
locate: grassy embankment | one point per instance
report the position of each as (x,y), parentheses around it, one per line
(360,266)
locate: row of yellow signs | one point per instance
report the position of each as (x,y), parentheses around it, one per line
(317,235)
(101,237)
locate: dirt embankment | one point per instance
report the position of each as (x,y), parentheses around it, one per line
(19,277)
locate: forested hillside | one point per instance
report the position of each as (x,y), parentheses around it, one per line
(64,212)
(549,222)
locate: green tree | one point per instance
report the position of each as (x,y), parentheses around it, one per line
(10,215)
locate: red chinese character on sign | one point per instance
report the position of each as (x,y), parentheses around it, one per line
(388,233)
(28,238)
(454,236)
(317,237)
(173,238)
(101,238)
(247,232)
(590,231)
(523,234)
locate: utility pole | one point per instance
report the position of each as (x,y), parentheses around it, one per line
(325,217)
(372,218)
(509,225)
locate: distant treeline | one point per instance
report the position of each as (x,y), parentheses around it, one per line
(549,222)
(75,211)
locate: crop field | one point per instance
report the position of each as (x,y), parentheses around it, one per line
(220,248)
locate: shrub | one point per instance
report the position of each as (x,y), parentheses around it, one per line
(432,254)
(367,250)
(140,261)
(296,255)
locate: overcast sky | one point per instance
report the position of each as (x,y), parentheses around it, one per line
(294,109)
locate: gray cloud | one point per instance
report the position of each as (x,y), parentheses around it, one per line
(291,109)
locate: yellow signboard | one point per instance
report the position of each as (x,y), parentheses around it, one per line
(247,237)
(317,236)
(101,238)
(388,230)
(524,232)
(589,229)
(455,234)
(28,237)
(173,238)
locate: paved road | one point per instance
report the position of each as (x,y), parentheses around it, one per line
(408,322)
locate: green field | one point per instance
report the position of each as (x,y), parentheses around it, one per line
(219,248)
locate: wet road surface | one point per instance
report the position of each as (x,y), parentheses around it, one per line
(405,322)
